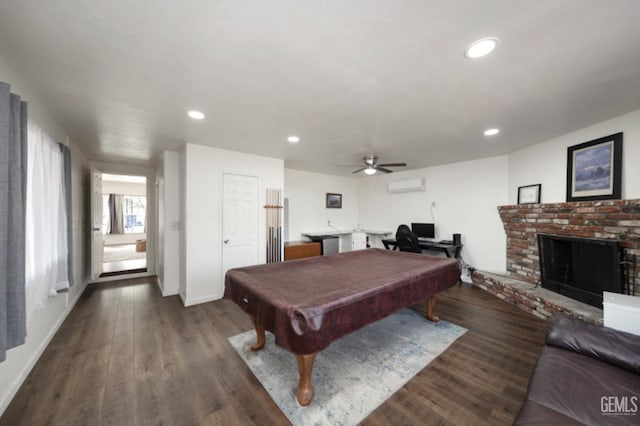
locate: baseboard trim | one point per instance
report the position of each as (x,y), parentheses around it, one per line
(15,386)
(191,302)
(167,293)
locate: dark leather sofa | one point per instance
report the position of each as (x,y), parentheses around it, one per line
(586,374)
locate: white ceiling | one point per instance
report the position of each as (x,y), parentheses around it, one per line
(349,77)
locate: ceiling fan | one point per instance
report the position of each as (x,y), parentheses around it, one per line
(371,166)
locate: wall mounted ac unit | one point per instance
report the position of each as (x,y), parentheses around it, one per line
(407,185)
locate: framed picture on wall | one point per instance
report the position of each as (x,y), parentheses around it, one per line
(529,194)
(594,169)
(334,201)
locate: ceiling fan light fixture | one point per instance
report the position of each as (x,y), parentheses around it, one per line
(371,166)
(491,132)
(293,139)
(480,48)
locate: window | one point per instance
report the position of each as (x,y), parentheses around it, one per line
(135,208)
(47,251)
(134,214)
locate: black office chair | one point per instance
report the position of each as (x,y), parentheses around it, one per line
(407,240)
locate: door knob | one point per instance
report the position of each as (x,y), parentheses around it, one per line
(226,241)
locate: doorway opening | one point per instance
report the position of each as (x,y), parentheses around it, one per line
(124,224)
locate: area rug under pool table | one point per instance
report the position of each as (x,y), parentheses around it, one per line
(356,373)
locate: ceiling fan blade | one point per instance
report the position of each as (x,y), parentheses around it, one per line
(359,170)
(383,170)
(393,165)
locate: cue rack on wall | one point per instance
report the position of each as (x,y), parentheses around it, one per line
(274,225)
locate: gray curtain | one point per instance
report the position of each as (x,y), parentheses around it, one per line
(116,221)
(13,189)
(66,156)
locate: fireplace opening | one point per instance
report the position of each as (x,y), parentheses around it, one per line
(580,268)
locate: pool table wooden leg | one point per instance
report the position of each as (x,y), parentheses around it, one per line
(259,334)
(305,389)
(431,302)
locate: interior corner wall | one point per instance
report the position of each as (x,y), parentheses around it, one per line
(465,194)
(307,203)
(168,265)
(202,213)
(81,214)
(546,162)
(45,322)
(182,191)
(161,223)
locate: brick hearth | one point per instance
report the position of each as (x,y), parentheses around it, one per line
(539,301)
(612,220)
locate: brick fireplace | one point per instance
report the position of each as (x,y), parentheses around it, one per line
(617,220)
(612,220)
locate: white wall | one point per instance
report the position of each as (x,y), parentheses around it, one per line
(45,322)
(182,194)
(124,188)
(168,265)
(160,198)
(307,204)
(546,163)
(202,213)
(465,194)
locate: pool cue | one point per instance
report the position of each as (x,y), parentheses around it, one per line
(269,260)
(280,211)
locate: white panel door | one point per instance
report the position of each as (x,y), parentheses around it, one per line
(97,249)
(240,212)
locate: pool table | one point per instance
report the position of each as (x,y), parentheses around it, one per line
(309,303)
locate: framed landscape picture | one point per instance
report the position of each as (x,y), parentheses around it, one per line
(594,169)
(334,201)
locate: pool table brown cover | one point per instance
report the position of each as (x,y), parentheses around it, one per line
(309,303)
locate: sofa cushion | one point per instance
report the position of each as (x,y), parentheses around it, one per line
(533,414)
(606,344)
(573,385)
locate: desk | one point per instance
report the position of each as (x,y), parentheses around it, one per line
(309,303)
(336,231)
(450,250)
(346,237)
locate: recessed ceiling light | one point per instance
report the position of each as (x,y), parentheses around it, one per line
(370,171)
(293,139)
(480,48)
(491,132)
(196,115)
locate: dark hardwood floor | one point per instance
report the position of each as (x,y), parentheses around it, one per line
(126,355)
